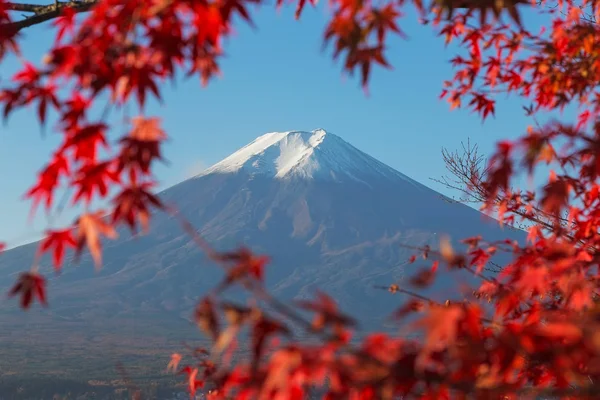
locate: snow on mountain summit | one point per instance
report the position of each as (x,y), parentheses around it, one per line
(317,154)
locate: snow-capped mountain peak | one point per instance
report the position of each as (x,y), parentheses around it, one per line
(317,154)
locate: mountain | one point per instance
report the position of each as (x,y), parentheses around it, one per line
(330,216)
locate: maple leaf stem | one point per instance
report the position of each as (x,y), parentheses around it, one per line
(281,307)
(189,229)
(426,299)
(213,255)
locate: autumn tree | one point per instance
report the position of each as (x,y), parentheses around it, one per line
(541,335)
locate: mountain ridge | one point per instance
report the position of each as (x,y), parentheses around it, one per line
(323,232)
(303,154)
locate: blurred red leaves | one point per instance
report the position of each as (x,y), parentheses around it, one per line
(242,264)
(90,228)
(29,286)
(141,146)
(58,242)
(326,313)
(48,180)
(206,318)
(532,326)
(132,205)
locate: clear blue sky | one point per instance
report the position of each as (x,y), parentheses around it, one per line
(276,78)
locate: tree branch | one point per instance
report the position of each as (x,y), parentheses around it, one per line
(34,8)
(43,13)
(469,169)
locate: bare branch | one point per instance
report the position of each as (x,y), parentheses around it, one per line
(43,13)
(468,171)
(34,8)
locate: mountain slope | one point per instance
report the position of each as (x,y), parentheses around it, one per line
(330,216)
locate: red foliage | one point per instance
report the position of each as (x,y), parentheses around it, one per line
(30,285)
(542,336)
(59,241)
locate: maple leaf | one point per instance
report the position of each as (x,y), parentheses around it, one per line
(282,363)
(479,259)
(93,177)
(383,20)
(65,23)
(556,196)
(423,278)
(533,281)
(206,318)
(472,241)
(28,75)
(326,312)
(507,304)
(141,75)
(90,228)
(261,330)
(448,254)
(245,264)
(300,6)
(228,6)
(59,240)
(411,306)
(48,180)
(74,111)
(30,285)
(583,119)
(213,20)
(142,145)
(236,317)
(147,129)
(131,204)
(535,232)
(441,327)
(45,95)
(174,363)
(85,141)
(193,383)
(426,251)
(9,34)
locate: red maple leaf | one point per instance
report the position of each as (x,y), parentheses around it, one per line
(261,331)
(74,110)
(141,146)
(58,240)
(30,285)
(48,180)
(85,141)
(90,228)
(193,383)
(244,264)
(132,205)
(28,75)
(93,177)
(207,319)
(326,311)
(65,23)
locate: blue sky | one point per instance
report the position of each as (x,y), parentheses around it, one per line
(276,78)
